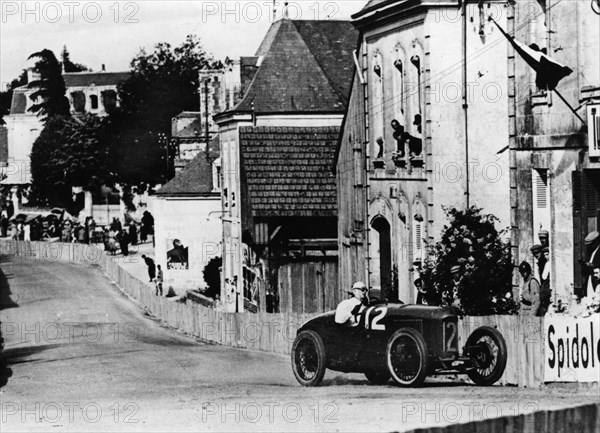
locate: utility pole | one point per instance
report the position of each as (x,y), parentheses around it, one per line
(206,117)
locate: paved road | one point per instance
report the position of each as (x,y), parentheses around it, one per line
(85,358)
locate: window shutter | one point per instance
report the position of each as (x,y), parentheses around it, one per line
(541,192)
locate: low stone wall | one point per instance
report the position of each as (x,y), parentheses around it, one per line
(274,332)
(581,419)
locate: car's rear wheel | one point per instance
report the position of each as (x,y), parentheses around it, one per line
(487,350)
(308,358)
(406,357)
(378,377)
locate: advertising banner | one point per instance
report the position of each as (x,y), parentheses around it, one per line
(572,349)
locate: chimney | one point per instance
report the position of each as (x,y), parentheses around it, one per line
(103,67)
(286,14)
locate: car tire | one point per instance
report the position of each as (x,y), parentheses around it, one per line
(489,337)
(308,358)
(406,357)
(378,377)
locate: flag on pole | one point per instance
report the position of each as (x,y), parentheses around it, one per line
(549,71)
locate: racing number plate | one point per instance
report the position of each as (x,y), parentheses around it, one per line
(450,336)
(374,318)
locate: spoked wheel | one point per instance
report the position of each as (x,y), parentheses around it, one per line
(406,357)
(308,358)
(487,350)
(378,377)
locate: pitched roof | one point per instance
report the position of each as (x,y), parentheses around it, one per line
(306,67)
(84,79)
(196,179)
(3,144)
(192,129)
(373,5)
(287,170)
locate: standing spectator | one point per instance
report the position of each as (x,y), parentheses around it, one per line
(86,228)
(530,294)
(112,241)
(27,232)
(545,290)
(91,230)
(420,292)
(147,224)
(589,293)
(544,237)
(116,225)
(4,225)
(133,237)
(124,242)
(20,233)
(81,234)
(540,260)
(151,267)
(592,241)
(66,232)
(159,281)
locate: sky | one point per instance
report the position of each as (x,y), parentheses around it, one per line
(112,32)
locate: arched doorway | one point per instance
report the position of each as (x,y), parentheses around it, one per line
(381,256)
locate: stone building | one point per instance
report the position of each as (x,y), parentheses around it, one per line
(555,157)
(424,129)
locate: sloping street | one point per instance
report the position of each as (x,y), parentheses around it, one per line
(84,357)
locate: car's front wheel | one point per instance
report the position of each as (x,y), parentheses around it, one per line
(406,357)
(487,350)
(308,358)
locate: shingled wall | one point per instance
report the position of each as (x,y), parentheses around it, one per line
(288,171)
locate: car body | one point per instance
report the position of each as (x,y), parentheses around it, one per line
(404,342)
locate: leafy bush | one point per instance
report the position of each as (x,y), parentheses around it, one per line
(483,286)
(212,276)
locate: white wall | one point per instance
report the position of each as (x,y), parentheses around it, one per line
(196,222)
(23,130)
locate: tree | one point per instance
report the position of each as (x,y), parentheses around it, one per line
(484,281)
(69,152)
(162,84)
(212,276)
(68,65)
(50,87)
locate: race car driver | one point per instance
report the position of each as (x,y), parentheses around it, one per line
(348,311)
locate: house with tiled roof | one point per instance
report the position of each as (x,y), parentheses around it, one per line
(279,201)
(87,92)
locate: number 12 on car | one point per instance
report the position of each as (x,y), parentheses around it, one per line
(373,318)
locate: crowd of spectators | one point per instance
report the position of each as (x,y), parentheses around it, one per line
(63,228)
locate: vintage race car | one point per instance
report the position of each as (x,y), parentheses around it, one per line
(406,343)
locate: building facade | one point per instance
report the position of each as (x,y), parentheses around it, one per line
(555,158)
(87,92)
(425,129)
(187,209)
(299,78)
